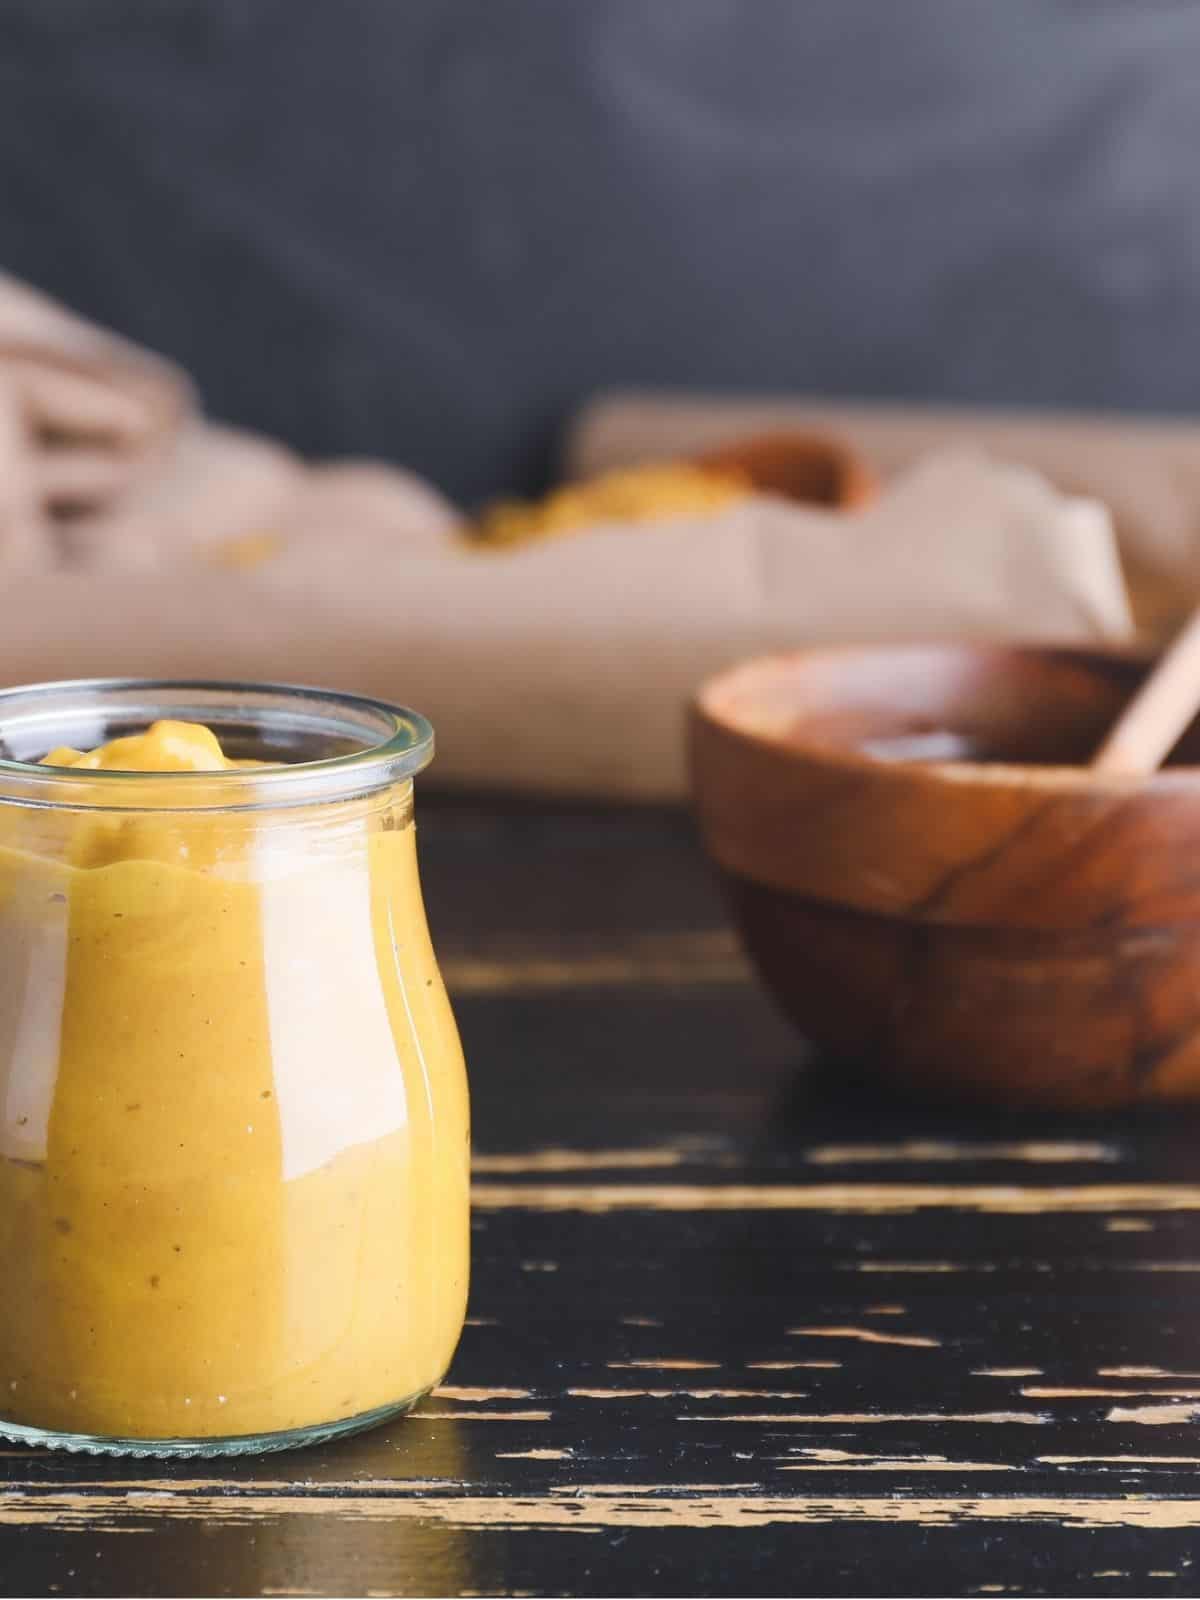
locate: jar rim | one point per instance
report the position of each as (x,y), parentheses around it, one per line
(394,742)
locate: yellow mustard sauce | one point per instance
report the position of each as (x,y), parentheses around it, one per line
(233,1112)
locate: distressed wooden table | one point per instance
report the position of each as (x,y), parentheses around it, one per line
(735,1328)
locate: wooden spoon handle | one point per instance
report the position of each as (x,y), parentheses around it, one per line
(1150,725)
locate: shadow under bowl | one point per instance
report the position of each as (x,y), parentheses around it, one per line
(928,879)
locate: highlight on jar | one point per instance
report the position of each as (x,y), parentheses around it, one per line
(234,1128)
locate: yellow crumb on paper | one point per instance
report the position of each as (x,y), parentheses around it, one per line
(246,551)
(633,494)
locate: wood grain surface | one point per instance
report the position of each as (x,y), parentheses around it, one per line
(738,1326)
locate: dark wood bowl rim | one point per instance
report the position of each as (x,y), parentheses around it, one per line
(711,704)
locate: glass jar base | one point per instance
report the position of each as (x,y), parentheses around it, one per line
(238,1444)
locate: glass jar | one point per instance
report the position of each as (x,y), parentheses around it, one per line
(233,1112)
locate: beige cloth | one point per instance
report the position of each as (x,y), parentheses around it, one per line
(561,666)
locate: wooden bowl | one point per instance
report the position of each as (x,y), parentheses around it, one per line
(990,922)
(808,467)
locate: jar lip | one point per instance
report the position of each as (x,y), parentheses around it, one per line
(396,744)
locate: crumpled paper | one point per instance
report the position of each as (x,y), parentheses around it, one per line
(561,667)
(1146,470)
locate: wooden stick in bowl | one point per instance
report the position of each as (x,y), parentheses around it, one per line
(1150,726)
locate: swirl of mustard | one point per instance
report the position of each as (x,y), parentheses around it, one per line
(233,1114)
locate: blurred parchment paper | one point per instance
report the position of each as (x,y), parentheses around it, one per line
(1145,470)
(136,538)
(565,666)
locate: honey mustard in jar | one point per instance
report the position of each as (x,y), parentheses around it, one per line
(233,1109)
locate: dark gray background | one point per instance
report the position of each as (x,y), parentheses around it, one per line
(425,229)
